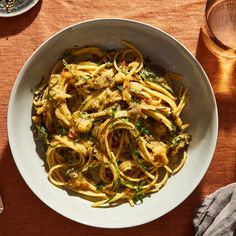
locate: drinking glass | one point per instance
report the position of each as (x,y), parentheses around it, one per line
(220,27)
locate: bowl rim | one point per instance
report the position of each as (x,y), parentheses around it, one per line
(113,20)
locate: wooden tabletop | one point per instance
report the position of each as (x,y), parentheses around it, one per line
(24,213)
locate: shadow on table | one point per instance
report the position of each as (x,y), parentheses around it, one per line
(13,25)
(221,72)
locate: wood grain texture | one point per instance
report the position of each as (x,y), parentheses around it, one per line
(24,213)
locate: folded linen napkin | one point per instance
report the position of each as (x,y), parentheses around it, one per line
(217,214)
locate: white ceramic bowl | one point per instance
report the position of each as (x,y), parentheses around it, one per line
(162,49)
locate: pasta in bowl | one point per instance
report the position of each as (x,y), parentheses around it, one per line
(115,125)
(111,125)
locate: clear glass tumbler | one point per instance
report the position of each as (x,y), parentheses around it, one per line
(220,26)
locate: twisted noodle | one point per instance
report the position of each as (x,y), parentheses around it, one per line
(111,125)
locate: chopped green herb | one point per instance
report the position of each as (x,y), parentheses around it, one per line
(96,121)
(124,120)
(119,87)
(100,185)
(135,152)
(62,131)
(133,90)
(134,98)
(173,128)
(87,77)
(84,115)
(139,197)
(113,113)
(140,185)
(136,155)
(148,75)
(142,129)
(138,125)
(42,133)
(125,183)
